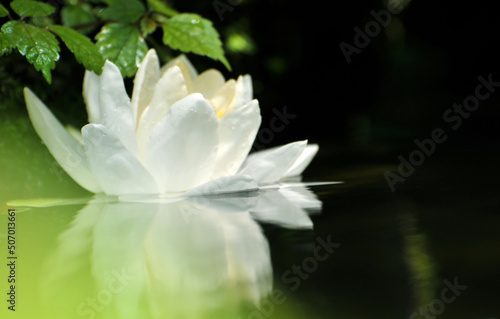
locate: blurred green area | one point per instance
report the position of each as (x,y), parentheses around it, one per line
(27,168)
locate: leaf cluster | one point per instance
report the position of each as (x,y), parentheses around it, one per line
(95,31)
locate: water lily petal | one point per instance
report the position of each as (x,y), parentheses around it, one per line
(270,166)
(224,185)
(188,70)
(76,133)
(145,81)
(235,202)
(237,131)
(303,161)
(223,98)
(68,152)
(116,113)
(91,96)
(243,91)
(170,88)
(208,83)
(116,169)
(181,149)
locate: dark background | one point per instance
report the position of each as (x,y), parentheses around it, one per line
(427,59)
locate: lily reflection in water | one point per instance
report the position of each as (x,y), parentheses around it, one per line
(197,257)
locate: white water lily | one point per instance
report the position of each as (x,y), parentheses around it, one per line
(179,132)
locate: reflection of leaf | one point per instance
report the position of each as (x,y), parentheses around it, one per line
(127,11)
(30,8)
(73,16)
(161,7)
(40,47)
(3,11)
(85,51)
(123,45)
(191,33)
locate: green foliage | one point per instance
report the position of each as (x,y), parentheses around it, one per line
(31,8)
(191,33)
(122,29)
(6,44)
(84,50)
(126,11)
(77,15)
(122,44)
(3,11)
(161,7)
(39,46)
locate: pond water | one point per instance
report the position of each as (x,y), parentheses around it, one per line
(431,248)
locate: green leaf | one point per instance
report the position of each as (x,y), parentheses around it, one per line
(123,45)
(6,44)
(161,7)
(8,28)
(189,32)
(39,46)
(3,11)
(73,16)
(126,11)
(41,22)
(31,8)
(82,47)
